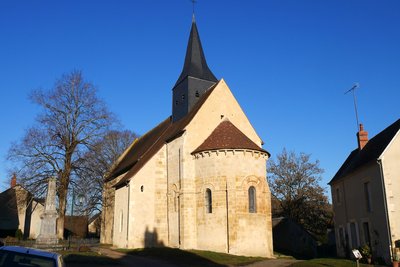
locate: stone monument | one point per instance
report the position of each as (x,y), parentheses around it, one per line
(48,234)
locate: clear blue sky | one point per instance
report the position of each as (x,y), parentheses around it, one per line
(288,62)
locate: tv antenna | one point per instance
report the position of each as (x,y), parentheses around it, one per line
(353,89)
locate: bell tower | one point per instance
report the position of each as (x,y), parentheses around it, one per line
(195,78)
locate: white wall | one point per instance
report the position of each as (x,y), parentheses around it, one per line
(391,171)
(120,217)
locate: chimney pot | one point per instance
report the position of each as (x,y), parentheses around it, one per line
(362,137)
(13,180)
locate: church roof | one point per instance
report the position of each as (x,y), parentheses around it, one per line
(195,62)
(142,150)
(227,136)
(371,151)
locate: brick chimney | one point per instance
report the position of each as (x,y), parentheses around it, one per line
(362,137)
(13,180)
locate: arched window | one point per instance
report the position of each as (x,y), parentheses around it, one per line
(252,200)
(208,200)
(121,220)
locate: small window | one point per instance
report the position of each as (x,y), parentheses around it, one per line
(208,200)
(121,221)
(252,199)
(338,200)
(354,235)
(367,237)
(367,193)
(197,93)
(183,97)
(176,102)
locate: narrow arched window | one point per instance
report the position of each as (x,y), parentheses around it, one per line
(252,200)
(208,200)
(121,220)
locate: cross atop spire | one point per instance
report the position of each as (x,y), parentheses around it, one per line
(193,2)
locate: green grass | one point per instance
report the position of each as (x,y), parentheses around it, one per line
(280,255)
(226,259)
(192,258)
(328,262)
(87,257)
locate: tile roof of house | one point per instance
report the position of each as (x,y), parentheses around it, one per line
(94,217)
(227,136)
(142,150)
(371,151)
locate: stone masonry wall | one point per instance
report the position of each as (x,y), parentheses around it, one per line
(107,215)
(229,174)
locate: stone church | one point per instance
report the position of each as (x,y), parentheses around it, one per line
(197,180)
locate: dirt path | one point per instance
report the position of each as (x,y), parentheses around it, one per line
(273,263)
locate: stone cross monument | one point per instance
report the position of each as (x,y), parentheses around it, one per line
(48,234)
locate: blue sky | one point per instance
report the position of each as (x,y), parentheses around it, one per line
(288,62)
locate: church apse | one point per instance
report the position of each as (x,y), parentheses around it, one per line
(232,227)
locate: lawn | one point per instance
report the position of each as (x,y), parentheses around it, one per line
(192,258)
(92,258)
(328,262)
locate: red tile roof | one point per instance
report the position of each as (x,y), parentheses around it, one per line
(227,136)
(150,143)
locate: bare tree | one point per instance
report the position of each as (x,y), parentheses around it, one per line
(98,162)
(72,120)
(294,182)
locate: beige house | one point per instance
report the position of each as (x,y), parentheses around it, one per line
(20,210)
(198,179)
(364,194)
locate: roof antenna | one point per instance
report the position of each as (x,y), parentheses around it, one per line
(353,89)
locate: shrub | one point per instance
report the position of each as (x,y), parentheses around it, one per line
(365,251)
(19,235)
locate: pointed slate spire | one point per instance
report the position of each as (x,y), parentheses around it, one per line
(195,79)
(195,62)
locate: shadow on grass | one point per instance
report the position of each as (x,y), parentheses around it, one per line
(89,258)
(174,256)
(192,258)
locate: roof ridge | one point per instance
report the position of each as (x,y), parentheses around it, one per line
(227,136)
(371,151)
(172,130)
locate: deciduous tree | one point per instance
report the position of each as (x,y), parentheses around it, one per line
(294,182)
(72,120)
(98,162)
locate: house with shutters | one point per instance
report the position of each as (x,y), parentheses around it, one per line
(197,180)
(365,195)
